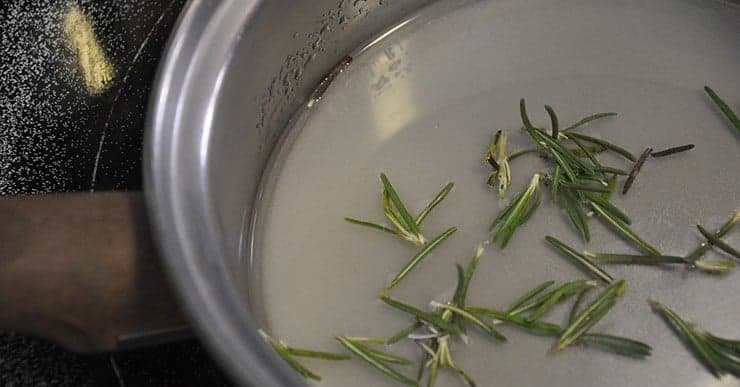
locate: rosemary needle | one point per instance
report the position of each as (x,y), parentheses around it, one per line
(540,327)
(419,257)
(437,199)
(588,119)
(705,246)
(674,150)
(581,260)
(591,315)
(288,355)
(517,212)
(636,169)
(529,295)
(429,317)
(731,116)
(361,351)
(553,121)
(490,330)
(717,242)
(634,259)
(623,229)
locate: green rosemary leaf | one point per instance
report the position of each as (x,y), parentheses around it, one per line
(705,246)
(507,210)
(584,187)
(559,152)
(616,344)
(371,225)
(383,356)
(556,179)
(612,184)
(431,318)
(606,144)
(614,171)
(607,206)
(574,311)
(588,119)
(727,345)
(634,259)
(581,260)
(529,295)
(719,243)
(636,169)
(470,382)
(523,152)
(540,327)
(425,356)
(489,329)
(576,214)
(731,116)
(560,294)
(437,199)
(570,291)
(409,221)
(467,277)
(591,315)
(687,332)
(623,229)
(282,351)
(360,351)
(517,212)
(456,298)
(403,333)
(553,121)
(316,354)
(419,257)
(433,370)
(584,149)
(491,149)
(595,149)
(523,112)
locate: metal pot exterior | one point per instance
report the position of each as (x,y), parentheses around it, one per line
(234,73)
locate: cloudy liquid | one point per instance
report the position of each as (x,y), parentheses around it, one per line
(421,104)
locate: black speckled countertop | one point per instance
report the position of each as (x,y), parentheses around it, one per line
(59,134)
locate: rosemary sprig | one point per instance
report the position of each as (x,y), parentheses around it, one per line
(581,260)
(416,259)
(718,242)
(719,354)
(517,212)
(731,116)
(372,358)
(673,150)
(636,169)
(705,246)
(591,315)
(288,354)
(406,226)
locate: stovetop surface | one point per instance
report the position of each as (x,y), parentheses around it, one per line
(71,127)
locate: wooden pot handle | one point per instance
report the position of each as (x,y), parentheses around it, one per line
(80,269)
